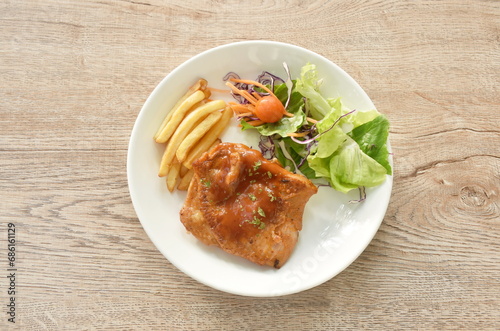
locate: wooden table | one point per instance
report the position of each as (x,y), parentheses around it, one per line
(74,75)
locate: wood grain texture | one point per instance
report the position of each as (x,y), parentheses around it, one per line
(74,76)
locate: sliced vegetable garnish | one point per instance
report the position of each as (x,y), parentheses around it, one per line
(313,135)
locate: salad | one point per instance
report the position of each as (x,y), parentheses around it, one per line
(311,134)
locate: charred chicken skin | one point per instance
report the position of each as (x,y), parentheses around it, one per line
(245,204)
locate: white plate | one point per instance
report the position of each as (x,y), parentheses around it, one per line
(335,232)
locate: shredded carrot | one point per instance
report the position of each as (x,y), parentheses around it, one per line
(256,95)
(298,134)
(243,93)
(239,108)
(252,82)
(242,110)
(312,120)
(249,97)
(212,89)
(255,123)
(245,114)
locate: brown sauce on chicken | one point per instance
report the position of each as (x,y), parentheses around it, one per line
(245,204)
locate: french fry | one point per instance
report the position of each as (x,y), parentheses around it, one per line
(185,180)
(178,115)
(196,105)
(198,150)
(183,130)
(183,171)
(191,128)
(173,175)
(208,139)
(208,93)
(201,84)
(194,136)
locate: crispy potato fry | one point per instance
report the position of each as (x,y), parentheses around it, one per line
(199,149)
(208,139)
(178,116)
(194,136)
(184,129)
(208,93)
(201,84)
(191,127)
(196,105)
(173,175)
(183,171)
(186,180)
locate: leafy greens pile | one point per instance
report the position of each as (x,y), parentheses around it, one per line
(346,148)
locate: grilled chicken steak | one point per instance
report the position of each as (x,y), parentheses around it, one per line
(245,204)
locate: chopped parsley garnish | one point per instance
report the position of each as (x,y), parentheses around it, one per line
(257,222)
(261,212)
(269,174)
(205,182)
(252,197)
(257,165)
(271,196)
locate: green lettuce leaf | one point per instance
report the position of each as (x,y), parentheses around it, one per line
(298,152)
(283,159)
(356,119)
(308,86)
(353,159)
(372,139)
(349,168)
(331,134)
(351,146)
(290,155)
(321,166)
